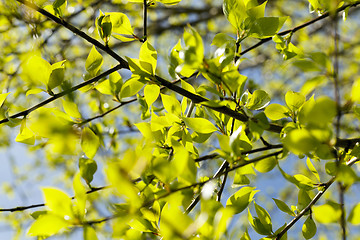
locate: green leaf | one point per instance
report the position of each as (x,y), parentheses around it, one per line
(169,2)
(265,165)
(276,111)
(89,142)
(57,74)
(264,217)
(283,207)
(309,228)
(294,100)
(148,58)
(47,225)
(151,93)
(258,100)
(171,104)
(239,141)
(200,125)
(266,26)
(37,70)
(312,169)
(25,135)
(121,26)
(245,236)
(235,12)
(71,109)
(104,87)
(300,141)
(303,199)
(131,87)
(304,182)
(319,112)
(93,62)
(192,55)
(241,199)
(257,225)
(355,96)
(80,197)
(221,39)
(58,202)
(327,213)
(87,168)
(354,217)
(89,233)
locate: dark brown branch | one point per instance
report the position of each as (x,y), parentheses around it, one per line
(299,27)
(194,97)
(75,30)
(107,112)
(18,209)
(61,94)
(145,7)
(215,155)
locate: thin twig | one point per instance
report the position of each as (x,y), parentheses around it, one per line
(145,6)
(18,209)
(61,94)
(107,112)
(338,118)
(301,26)
(313,201)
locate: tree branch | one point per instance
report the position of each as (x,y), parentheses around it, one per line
(59,95)
(301,26)
(313,201)
(18,209)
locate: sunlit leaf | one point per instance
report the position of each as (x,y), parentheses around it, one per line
(276,111)
(309,228)
(200,125)
(58,202)
(94,61)
(241,199)
(47,225)
(87,168)
(89,142)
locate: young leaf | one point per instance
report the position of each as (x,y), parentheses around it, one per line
(169,2)
(264,217)
(89,142)
(283,207)
(200,125)
(121,26)
(47,225)
(354,217)
(327,213)
(309,228)
(171,104)
(87,168)
(312,168)
(37,70)
(266,26)
(151,93)
(131,87)
(58,202)
(241,199)
(148,58)
(276,111)
(294,100)
(258,100)
(89,233)
(71,109)
(235,12)
(25,135)
(94,61)
(80,197)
